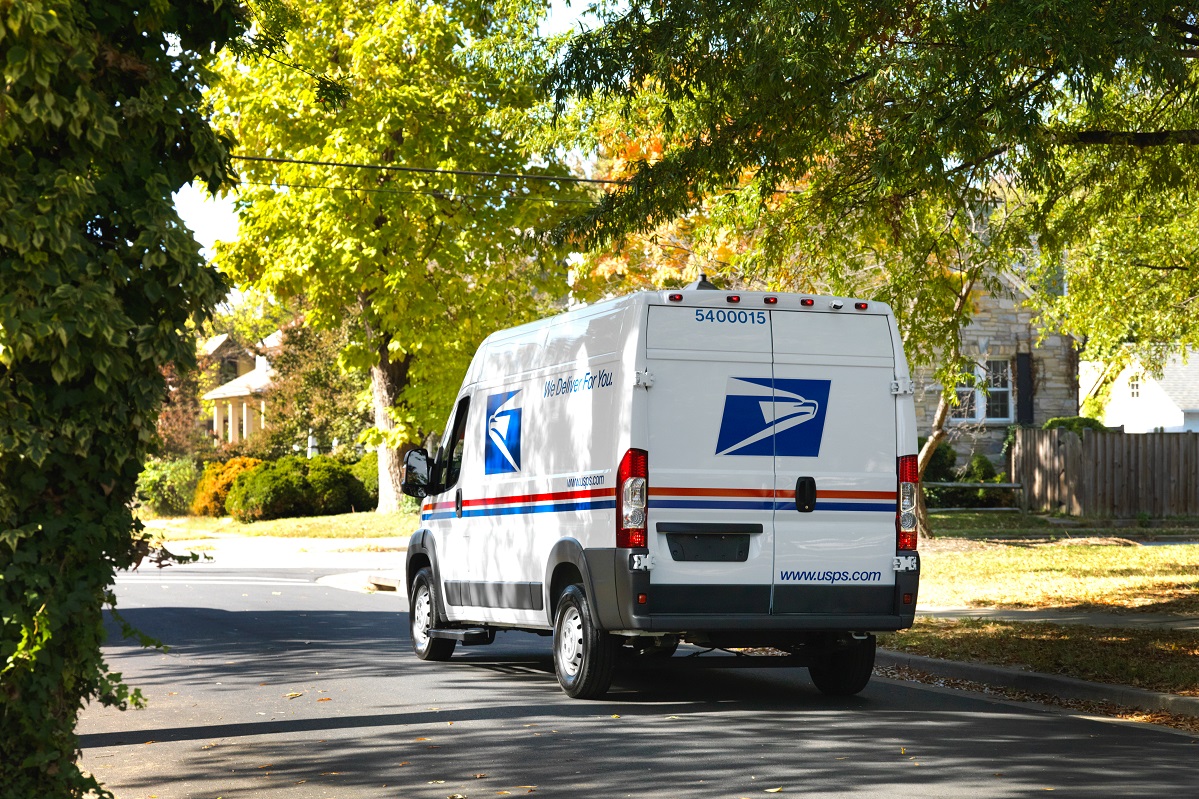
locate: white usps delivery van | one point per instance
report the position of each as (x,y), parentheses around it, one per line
(729,469)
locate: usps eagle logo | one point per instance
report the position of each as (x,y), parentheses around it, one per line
(501,453)
(764,416)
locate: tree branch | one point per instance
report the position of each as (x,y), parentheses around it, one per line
(1130,138)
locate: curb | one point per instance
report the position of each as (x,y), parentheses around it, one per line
(1035,682)
(386,582)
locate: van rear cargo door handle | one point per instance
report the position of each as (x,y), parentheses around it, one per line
(805,494)
(458,503)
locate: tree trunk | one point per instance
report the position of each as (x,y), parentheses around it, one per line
(388,379)
(935,436)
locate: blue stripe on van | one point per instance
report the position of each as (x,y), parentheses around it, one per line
(702,504)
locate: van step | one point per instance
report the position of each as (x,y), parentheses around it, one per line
(467,636)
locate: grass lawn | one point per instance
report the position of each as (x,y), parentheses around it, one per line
(1102,576)
(346,525)
(1158,660)
(1020,561)
(981,524)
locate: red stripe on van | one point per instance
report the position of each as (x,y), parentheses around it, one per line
(765,492)
(593,493)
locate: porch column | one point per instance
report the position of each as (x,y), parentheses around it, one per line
(234,431)
(218,428)
(247,419)
(262,413)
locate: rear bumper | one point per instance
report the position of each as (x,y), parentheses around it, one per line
(620,590)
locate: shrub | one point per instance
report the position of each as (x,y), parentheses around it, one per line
(214,485)
(166,487)
(271,491)
(335,489)
(1075,424)
(367,473)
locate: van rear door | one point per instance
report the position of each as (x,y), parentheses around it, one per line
(835,434)
(711,516)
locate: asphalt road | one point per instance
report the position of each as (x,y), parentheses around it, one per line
(278,686)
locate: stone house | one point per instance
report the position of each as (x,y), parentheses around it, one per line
(1030,375)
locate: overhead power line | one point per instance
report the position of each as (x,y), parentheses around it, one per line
(505,196)
(460,172)
(428,170)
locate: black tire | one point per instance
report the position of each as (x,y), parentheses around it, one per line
(422,617)
(583,653)
(847,670)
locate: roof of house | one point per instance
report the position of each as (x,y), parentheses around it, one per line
(1180,381)
(253,382)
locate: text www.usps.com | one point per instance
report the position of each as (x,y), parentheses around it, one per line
(832,577)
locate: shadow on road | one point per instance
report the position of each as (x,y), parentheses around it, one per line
(431,728)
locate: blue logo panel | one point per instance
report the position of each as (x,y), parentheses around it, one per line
(501,450)
(778,417)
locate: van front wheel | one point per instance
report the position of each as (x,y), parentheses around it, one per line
(847,669)
(583,653)
(422,617)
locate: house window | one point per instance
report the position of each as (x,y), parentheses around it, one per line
(990,398)
(1134,386)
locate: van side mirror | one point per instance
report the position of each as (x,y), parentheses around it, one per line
(414,479)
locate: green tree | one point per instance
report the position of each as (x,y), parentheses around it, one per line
(309,391)
(1075,122)
(425,263)
(100,123)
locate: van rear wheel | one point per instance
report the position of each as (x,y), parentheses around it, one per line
(422,618)
(846,670)
(583,653)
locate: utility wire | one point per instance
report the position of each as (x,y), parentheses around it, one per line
(462,172)
(426,192)
(428,170)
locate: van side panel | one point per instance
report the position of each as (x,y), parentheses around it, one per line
(550,404)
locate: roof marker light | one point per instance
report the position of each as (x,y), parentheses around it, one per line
(807,302)
(676,298)
(733,298)
(771,300)
(861,306)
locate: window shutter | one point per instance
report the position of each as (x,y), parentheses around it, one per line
(1024,389)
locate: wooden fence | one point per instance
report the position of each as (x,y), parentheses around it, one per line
(1121,475)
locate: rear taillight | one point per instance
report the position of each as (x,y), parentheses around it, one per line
(905,513)
(632,490)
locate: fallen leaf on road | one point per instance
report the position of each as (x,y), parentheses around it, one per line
(455,796)
(503,793)
(421,739)
(774,790)
(326,699)
(480,776)
(268,765)
(292,695)
(615,715)
(276,593)
(437,782)
(403,764)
